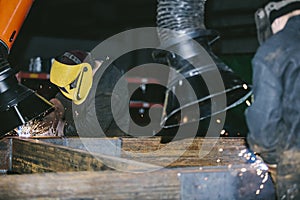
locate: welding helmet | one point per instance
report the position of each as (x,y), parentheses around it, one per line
(264,17)
(72,75)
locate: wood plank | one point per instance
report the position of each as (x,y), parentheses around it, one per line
(187,152)
(36,156)
(146,181)
(99,185)
(31,156)
(160,184)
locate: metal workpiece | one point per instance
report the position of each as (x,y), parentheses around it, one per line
(234,182)
(104,146)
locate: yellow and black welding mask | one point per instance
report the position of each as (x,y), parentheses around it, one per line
(74,81)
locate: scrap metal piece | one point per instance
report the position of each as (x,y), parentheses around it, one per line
(240,182)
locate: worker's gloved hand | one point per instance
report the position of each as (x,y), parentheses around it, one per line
(55,119)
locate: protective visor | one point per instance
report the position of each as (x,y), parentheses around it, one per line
(264,17)
(74,81)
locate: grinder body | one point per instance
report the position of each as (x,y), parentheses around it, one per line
(18,104)
(12,16)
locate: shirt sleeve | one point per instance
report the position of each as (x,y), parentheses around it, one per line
(265,114)
(94,117)
(69,126)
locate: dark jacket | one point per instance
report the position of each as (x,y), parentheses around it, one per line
(274,117)
(94,116)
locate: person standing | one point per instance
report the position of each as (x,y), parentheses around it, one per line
(274,116)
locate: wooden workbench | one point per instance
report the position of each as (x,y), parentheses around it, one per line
(128,168)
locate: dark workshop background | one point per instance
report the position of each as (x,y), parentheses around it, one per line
(53,26)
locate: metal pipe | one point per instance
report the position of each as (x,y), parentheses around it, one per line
(181,23)
(183,16)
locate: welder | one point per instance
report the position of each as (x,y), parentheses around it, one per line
(273,118)
(83,113)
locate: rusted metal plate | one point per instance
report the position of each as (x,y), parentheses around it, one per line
(237,182)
